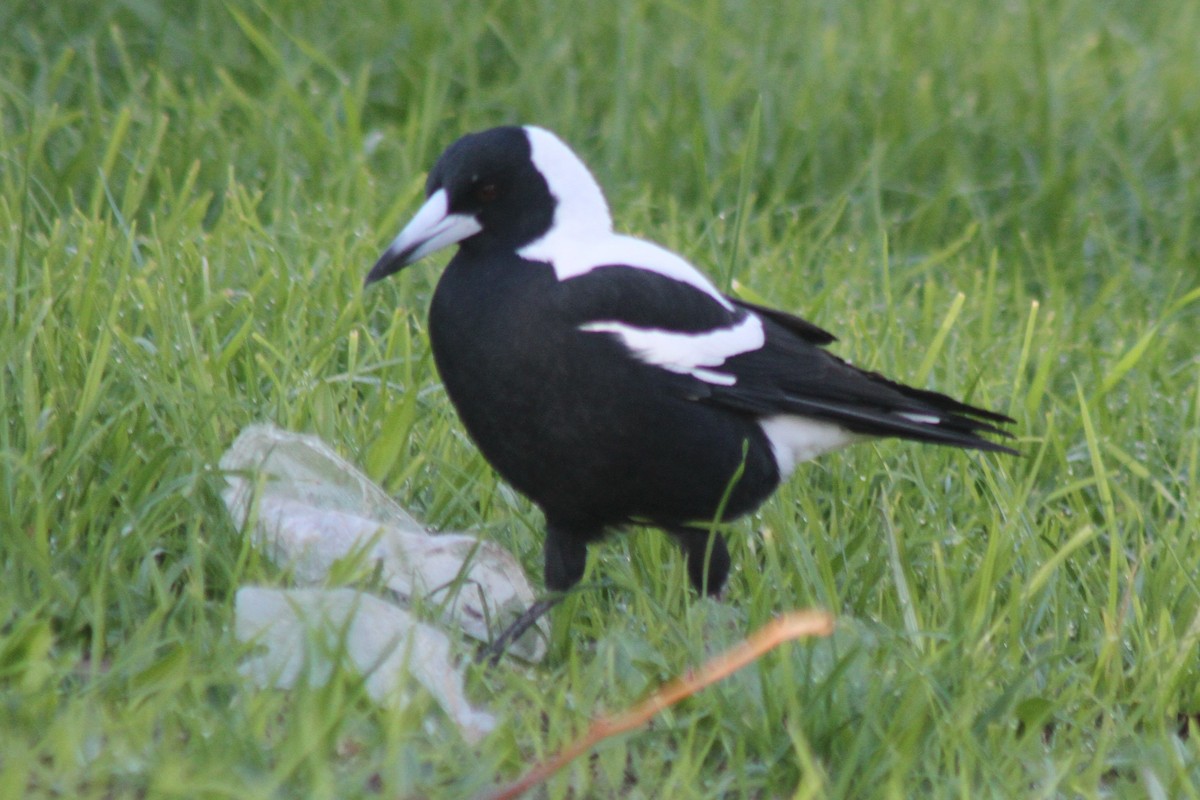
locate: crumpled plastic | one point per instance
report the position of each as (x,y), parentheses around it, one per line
(312,512)
(303,633)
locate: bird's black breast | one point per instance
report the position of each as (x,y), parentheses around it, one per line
(590,434)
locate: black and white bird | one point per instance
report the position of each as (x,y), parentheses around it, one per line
(608,380)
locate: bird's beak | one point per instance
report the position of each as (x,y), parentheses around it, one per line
(433,228)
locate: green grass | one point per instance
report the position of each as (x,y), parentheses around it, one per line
(996,200)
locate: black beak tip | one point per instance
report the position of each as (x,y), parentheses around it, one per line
(390,262)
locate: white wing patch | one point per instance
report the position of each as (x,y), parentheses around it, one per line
(797,439)
(688,353)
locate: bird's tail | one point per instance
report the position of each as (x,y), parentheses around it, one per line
(923,416)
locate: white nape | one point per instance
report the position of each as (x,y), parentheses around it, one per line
(581,237)
(581,207)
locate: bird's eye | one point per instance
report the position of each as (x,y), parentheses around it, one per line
(485,193)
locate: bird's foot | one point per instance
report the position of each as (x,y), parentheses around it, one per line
(490,654)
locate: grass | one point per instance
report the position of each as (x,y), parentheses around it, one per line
(999,201)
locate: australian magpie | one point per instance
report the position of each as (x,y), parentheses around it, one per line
(608,380)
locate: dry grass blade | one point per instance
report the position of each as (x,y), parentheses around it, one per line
(790,626)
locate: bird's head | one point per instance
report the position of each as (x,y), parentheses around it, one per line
(501,188)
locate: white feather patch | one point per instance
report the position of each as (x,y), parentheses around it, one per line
(581,237)
(688,353)
(573,256)
(581,204)
(923,419)
(797,439)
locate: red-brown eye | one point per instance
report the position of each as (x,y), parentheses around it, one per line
(486,193)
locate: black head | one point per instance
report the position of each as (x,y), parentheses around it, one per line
(501,188)
(491,177)
(485,191)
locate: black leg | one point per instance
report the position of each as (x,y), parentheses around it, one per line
(707,558)
(490,654)
(566,556)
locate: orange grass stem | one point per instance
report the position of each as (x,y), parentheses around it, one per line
(782,629)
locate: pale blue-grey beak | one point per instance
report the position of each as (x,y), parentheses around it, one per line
(433,228)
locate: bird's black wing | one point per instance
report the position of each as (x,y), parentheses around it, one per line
(642,298)
(707,351)
(789,375)
(800,327)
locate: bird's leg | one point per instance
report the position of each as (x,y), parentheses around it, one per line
(490,654)
(707,558)
(565,556)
